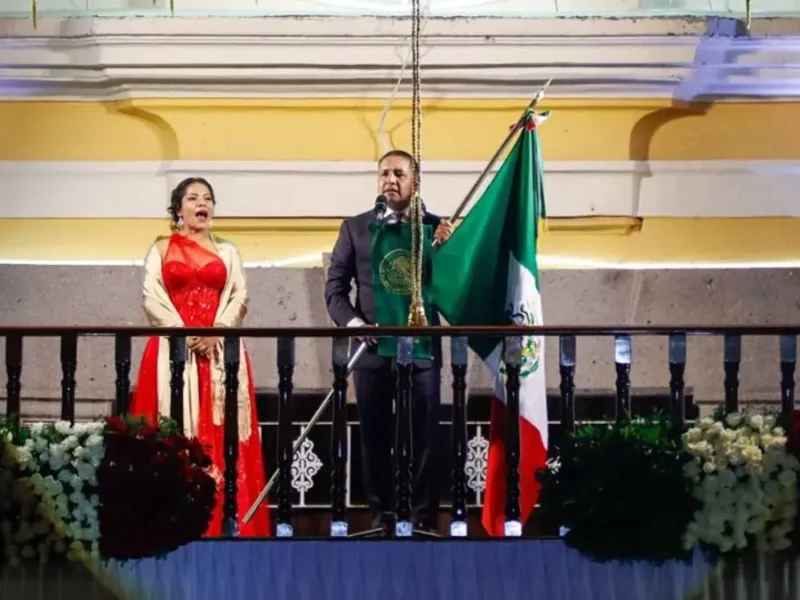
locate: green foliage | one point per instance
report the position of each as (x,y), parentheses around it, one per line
(11,430)
(130,425)
(621,492)
(137,426)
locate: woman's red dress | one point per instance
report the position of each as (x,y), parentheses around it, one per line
(194,278)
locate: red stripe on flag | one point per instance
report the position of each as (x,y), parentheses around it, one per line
(533,456)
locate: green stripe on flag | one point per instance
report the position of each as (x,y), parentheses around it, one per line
(470,271)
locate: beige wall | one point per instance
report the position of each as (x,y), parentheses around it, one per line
(34,295)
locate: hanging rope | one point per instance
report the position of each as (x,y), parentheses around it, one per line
(748,9)
(416,314)
(382,135)
(171,6)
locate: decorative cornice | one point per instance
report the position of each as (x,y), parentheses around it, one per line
(682,59)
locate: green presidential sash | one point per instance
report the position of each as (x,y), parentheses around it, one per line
(392,278)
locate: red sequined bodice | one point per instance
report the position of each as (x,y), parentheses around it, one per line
(194,278)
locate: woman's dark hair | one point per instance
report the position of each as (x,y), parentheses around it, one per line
(176,199)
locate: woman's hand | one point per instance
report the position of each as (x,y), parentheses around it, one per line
(204,346)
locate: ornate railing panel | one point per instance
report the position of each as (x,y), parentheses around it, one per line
(298,453)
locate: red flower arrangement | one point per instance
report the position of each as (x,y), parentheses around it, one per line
(155,491)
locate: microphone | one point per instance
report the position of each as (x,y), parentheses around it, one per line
(380,207)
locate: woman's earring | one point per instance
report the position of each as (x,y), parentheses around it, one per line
(179,223)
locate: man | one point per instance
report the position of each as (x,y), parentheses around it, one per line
(374,375)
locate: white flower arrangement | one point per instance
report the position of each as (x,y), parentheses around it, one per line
(745,480)
(51,477)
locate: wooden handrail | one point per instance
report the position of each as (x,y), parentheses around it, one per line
(436,332)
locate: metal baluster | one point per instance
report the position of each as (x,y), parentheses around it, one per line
(622,361)
(677,387)
(567,351)
(733,358)
(341,356)
(69,365)
(177,364)
(512,356)
(788,351)
(459,357)
(230,434)
(405,364)
(122,363)
(285,441)
(13,375)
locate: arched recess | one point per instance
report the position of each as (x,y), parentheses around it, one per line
(642,135)
(149,115)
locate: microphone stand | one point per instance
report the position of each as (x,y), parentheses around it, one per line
(363,346)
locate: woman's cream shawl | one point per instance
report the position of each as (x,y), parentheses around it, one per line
(231,312)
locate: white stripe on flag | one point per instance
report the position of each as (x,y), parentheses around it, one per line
(525,303)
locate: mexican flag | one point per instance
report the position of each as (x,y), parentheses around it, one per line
(486,274)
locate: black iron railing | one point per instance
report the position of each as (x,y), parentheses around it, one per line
(511,337)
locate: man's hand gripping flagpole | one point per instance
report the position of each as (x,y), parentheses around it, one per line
(363,346)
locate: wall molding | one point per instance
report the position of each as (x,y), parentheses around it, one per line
(331,189)
(569,225)
(545,261)
(97,58)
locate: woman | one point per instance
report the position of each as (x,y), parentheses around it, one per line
(195,280)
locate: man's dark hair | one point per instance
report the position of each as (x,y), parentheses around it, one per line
(401,154)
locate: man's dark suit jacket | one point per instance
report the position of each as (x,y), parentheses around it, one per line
(351,260)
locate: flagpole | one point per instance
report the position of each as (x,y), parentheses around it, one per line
(363,346)
(496,156)
(304,434)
